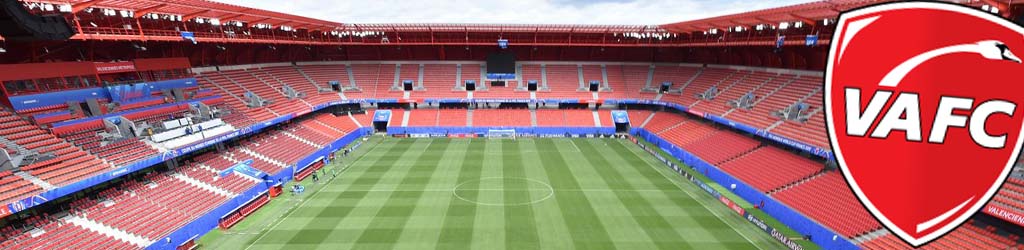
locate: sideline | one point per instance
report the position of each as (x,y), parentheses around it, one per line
(692,196)
(281,218)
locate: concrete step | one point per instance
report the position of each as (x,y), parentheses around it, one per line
(355,121)
(533,117)
(116,233)
(300,139)
(35,180)
(264,157)
(203,185)
(405,118)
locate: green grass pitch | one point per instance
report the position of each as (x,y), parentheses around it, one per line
(528,193)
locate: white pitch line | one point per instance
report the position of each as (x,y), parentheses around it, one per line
(702,203)
(281,219)
(501,189)
(573,146)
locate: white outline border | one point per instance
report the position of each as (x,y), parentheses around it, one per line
(916,242)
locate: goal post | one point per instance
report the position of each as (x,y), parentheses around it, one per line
(501,133)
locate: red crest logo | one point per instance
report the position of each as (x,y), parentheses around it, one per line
(922,106)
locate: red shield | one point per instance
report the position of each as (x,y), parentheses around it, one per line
(921,105)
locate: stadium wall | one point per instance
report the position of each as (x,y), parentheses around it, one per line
(23,102)
(440,131)
(20,205)
(211,220)
(820,235)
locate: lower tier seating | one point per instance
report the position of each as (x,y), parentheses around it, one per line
(967,236)
(768,168)
(501,118)
(828,200)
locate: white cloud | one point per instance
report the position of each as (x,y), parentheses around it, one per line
(511,11)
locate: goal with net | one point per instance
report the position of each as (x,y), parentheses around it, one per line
(501,133)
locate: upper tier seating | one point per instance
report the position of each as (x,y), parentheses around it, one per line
(439,79)
(708,78)
(13,187)
(617,83)
(70,163)
(323,74)
(733,90)
(563,80)
(634,78)
(225,87)
(677,75)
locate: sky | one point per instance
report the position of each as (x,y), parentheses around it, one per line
(636,12)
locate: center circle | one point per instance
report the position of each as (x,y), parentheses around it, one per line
(503,191)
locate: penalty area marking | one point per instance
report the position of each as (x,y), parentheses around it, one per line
(551,192)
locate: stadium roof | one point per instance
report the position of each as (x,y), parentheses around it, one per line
(808,13)
(190,9)
(501,28)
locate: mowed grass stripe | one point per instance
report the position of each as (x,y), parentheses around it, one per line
(301,232)
(623,230)
(584,229)
(657,228)
(421,228)
(685,210)
(520,229)
(489,229)
(459,219)
(712,230)
(552,230)
(607,195)
(389,222)
(316,230)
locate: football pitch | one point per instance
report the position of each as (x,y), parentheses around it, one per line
(527,193)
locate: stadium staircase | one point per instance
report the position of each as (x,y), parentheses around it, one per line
(861,239)
(323,78)
(405,118)
(203,185)
(533,117)
(115,233)
(798,182)
(755,91)
(786,168)
(263,157)
(300,139)
(646,115)
(35,180)
(723,92)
